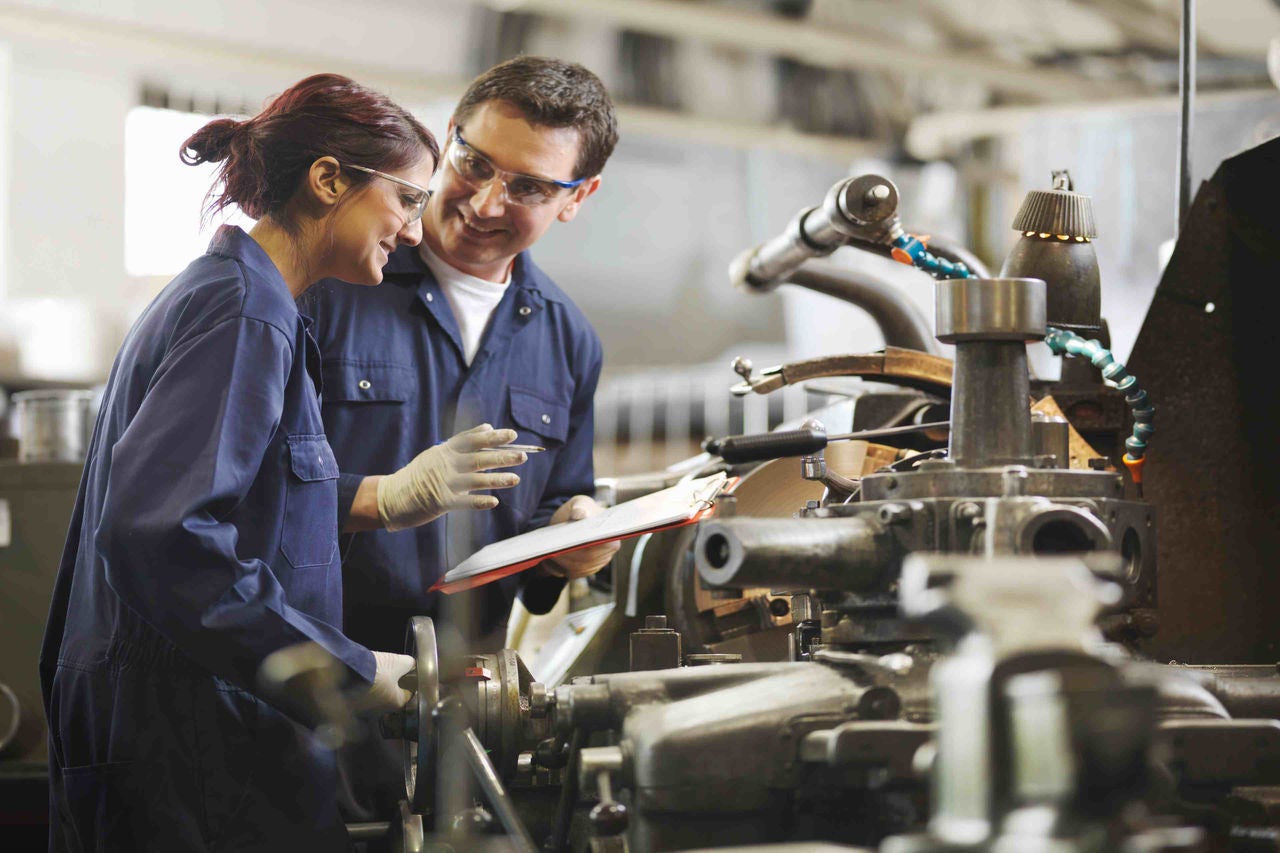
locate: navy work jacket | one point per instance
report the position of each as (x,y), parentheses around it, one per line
(396,383)
(204,538)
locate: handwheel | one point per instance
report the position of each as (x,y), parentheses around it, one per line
(419,728)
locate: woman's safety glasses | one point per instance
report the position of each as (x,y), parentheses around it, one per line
(413,199)
(477,171)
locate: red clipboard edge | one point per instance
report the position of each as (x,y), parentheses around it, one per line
(515,568)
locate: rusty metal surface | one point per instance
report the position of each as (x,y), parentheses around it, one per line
(1206,355)
(905,367)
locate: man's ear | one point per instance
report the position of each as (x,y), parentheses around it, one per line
(325,182)
(580,195)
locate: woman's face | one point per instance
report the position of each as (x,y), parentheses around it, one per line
(368,226)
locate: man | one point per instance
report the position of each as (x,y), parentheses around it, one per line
(466,330)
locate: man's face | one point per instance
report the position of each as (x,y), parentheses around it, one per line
(480,231)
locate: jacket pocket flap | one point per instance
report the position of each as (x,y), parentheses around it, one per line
(351,382)
(312,458)
(531,412)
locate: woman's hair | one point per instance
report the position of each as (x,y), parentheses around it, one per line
(264,158)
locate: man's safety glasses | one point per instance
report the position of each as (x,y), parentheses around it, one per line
(477,171)
(413,202)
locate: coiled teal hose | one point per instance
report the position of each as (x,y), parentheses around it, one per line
(1061,342)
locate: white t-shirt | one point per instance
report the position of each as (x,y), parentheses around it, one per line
(472,299)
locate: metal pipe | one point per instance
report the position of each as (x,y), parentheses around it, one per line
(1245,691)
(848,554)
(1181,697)
(1186,97)
(375,831)
(861,210)
(901,323)
(497,795)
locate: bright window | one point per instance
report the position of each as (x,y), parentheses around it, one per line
(163,197)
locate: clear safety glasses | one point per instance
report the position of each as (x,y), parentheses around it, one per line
(477,171)
(413,199)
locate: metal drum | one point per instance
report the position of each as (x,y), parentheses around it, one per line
(53,425)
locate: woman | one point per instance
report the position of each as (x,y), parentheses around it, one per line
(205,532)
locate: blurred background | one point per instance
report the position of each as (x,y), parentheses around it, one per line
(734,116)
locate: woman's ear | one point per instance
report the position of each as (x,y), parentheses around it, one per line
(325,182)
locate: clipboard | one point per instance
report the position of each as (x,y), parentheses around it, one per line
(681,505)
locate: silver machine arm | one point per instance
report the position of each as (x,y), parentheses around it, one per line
(861,212)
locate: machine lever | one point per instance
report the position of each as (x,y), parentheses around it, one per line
(798,442)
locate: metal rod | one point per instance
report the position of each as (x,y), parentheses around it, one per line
(1187,95)
(888,431)
(901,323)
(568,795)
(497,795)
(375,831)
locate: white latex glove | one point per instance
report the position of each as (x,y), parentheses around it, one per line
(584,561)
(386,694)
(443,477)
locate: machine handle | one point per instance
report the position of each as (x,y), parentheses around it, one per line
(769,445)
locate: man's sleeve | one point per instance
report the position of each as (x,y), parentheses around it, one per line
(186,461)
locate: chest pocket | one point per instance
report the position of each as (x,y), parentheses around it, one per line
(309,536)
(353,382)
(533,413)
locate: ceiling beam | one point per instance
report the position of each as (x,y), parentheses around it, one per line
(96,36)
(823,47)
(941,134)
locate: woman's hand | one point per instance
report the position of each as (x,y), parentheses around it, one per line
(386,694)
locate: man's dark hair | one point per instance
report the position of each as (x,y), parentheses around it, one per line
(551,93)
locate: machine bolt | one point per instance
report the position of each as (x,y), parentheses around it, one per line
(1146,622)
(551,754)
(742,367)
(1014,481)
(779,607)
(877,193)
(609,818)
(879,703)
(895,514)
(968,511)
(539,700)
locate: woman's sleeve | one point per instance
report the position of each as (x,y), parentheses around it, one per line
(186,460)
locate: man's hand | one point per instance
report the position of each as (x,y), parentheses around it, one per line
(585,561)
(443,477)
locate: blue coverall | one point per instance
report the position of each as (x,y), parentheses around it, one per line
(204,538)
(395,382)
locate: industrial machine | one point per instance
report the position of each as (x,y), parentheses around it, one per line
(938,642)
